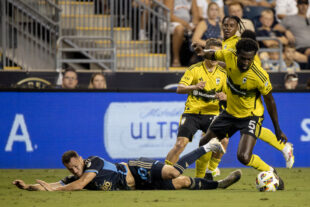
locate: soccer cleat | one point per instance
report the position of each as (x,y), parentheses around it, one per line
(216,172)
(230,179)
(281,183)
(288,155)
(208,176)
(215,146)
(211,174)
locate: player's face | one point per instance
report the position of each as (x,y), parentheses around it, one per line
(212,63)
(76,166)
(244,60)
(230,27)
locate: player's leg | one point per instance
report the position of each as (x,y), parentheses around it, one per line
(208,163)
(170,172)
(187,128)
(245,155)
(219,128)
(203,184)
(215,160)
(287,149)
(203,162)
(174,154)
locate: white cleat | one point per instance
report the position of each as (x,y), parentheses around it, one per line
(288,155)
(216,146)
(216,172)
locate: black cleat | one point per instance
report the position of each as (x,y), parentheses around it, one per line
(281,183)
(230,179)
(208,176)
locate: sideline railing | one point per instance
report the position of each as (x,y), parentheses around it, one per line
(29,36)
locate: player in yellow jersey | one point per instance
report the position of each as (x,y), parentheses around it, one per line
(246,82)
(204,83)
(209,164)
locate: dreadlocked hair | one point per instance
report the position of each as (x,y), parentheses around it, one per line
(241,26)
(246,45)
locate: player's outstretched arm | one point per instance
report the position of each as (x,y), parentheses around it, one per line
(205,53)
(183,89)
(76,185)
(33,187)
(272,110)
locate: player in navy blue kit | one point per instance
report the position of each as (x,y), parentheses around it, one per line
(95,173)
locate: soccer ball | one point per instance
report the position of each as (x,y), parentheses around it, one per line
(267,181)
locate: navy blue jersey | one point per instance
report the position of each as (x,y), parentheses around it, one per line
(109,176)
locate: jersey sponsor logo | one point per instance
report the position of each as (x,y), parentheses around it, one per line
(208,95)
(235,89)
(106,186)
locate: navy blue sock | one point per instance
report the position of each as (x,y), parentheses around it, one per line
(189,159)
(202,184)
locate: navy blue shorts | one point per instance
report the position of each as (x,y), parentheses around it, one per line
(147,174)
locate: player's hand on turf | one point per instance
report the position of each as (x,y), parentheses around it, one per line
(45,185)
(198,49)
(281,136)
(20,184)
(200,85)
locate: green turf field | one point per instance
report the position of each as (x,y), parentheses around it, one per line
(244,193)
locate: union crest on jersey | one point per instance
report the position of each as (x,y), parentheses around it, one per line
(217,81)
(244,80)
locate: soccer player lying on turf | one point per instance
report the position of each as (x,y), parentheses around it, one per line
(96,173)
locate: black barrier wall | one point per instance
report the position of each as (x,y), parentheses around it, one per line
(126,80)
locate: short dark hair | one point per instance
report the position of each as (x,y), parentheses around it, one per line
(70,70)
(236,3)
(66,157)
(246,45)
(213,42)
(302,1)
(248,34)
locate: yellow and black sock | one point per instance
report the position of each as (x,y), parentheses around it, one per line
(257,163)
(214,163)
(269,137)
(202,164)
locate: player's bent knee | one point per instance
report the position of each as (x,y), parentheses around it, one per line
(181,144)
(244,158)
(169,172)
